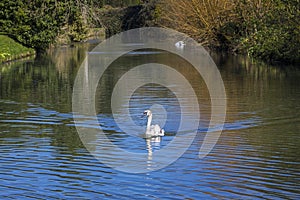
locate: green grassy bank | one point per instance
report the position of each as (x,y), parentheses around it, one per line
(11,50)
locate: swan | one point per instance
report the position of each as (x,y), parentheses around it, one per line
(153,130)
(180,44)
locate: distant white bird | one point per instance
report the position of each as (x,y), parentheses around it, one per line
(180,44)
(152,130)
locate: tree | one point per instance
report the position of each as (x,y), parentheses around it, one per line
(33,23)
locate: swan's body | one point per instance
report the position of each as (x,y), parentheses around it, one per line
(152,130)
(180,44)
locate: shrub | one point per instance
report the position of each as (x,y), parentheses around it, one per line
(273,34)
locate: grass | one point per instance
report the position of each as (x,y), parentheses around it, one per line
(11,50)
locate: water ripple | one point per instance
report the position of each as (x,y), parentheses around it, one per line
(41,157)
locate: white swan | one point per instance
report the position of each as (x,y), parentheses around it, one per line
(180,44)
(152,130)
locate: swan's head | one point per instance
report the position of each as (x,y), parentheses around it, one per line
(147,113)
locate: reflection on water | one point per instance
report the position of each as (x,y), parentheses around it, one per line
(41,155)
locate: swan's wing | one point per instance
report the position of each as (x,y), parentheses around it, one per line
(157,128)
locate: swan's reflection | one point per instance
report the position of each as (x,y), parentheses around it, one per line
(152,143)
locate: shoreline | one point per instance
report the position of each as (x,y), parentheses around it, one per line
(10,50)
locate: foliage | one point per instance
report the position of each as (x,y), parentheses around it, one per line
(37,23)
(275,33)
(116,20)
(34,24)
(121,3)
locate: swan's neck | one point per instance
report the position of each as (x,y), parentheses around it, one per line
(149,122)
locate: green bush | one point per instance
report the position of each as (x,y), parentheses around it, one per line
(274,44)
(37,23)
(273,34)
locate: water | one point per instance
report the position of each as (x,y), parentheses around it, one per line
(42,156)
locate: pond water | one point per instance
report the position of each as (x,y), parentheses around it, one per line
(42,155)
